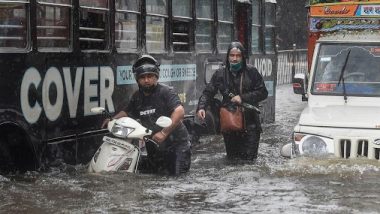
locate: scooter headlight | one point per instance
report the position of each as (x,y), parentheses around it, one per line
(313,145)
(120,131)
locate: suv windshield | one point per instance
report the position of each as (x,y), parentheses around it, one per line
(361,74)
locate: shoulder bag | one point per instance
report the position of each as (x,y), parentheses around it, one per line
(232,117)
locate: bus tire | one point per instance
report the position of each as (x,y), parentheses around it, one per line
(16,152)
(6,158)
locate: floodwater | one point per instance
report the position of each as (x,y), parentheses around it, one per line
(270,185)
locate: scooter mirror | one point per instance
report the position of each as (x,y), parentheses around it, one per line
(98,110)
(164,121)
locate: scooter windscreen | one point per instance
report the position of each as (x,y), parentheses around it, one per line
(131,128)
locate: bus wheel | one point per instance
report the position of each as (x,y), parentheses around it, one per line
(16,152)
(6,159)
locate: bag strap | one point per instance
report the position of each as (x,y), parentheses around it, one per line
(226,80)
(241,92)
(241,83)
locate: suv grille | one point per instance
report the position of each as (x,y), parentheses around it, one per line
(356,147)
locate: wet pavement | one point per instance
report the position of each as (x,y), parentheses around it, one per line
(272,184)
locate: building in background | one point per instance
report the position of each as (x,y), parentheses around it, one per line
(291,24)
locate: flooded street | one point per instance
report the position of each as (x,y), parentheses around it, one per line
(270,185)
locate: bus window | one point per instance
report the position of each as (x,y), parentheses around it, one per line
(256,24)
(13,26)
(93,24)
(53,25)
(269,35)
(181,25)
(155,25)
(204,26)
(225,24)
(127,12)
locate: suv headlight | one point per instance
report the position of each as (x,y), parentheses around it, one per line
(311,144)
(120,131)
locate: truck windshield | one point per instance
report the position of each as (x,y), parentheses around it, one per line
(361,74)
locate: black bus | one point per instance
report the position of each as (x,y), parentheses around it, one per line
(60,58)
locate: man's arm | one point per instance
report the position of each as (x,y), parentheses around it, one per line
(176,116)
(117,116)
(120,115)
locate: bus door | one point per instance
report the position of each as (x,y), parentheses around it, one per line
(242,23)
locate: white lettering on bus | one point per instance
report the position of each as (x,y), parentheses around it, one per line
(106,91)
(264,66)
(52,111)
(53,107)
(72,93)
(31,78)
(90,74)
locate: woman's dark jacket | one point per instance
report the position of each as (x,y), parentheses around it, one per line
(227,82)
(254,89)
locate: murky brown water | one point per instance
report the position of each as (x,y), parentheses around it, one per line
(270,185)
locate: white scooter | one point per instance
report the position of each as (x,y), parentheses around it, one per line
(118,153)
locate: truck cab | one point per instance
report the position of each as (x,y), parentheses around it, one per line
(342,90)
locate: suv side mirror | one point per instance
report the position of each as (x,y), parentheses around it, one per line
(300,85)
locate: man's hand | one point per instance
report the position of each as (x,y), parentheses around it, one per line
(117,116)
(201,114)
(236,99)
(159,137)
(105,123)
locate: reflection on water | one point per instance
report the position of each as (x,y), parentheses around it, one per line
(272,184)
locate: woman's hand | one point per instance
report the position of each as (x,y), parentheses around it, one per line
(236,99)
(201,114)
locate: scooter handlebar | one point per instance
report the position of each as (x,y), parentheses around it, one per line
(151,141)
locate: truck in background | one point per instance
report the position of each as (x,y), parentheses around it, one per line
(342,88)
